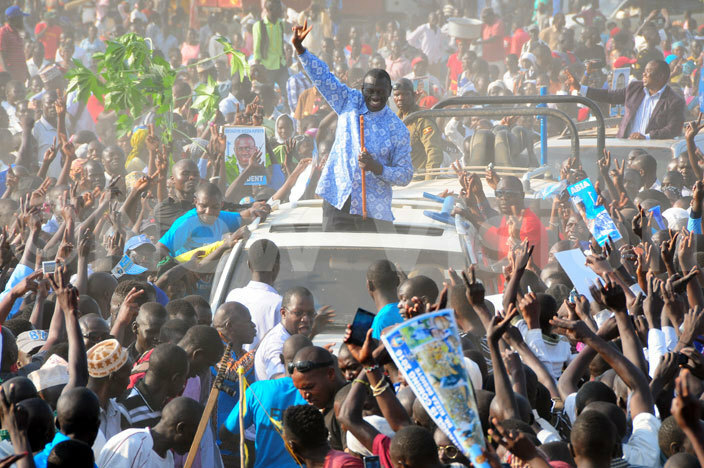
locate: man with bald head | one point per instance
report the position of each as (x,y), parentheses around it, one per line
(77,418)
(272,398)
(185,178)
(514,217)
(317,378)
(94,329)
(297,315)
(151,447)
(234,323)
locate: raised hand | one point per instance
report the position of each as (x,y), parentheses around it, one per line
(130,307)
(530,309)
(299,35)
(324,317)
(499,324)
(363,354)
(575,330)
(685,406)
(691,129)
(612,295)
(474,290)
(515,441)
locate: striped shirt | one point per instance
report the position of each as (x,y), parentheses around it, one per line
(136,410)
(12,50)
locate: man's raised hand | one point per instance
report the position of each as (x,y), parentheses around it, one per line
(299,35)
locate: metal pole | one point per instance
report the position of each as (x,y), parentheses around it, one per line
(543,130)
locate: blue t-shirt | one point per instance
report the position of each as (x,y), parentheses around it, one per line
(188,232)
(387,316)
(273,397)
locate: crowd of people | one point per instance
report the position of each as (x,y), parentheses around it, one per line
(110,351)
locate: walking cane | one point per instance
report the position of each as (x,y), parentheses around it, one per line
(364,178)
(209,406)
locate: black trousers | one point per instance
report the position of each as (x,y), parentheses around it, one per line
(342,220)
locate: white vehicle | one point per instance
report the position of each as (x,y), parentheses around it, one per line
(333,266)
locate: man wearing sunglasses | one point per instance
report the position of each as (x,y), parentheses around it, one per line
(516,220)
(385,158)
(318,379)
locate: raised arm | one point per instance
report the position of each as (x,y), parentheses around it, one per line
(641,399)
(391,408)
(333,90)
(502,383)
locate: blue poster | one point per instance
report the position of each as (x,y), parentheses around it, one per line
(657,216)
(428,352)
(595,216)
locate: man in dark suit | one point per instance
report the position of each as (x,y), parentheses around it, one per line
(653,109)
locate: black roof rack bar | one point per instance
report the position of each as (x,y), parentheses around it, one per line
(502,112)
(551,99)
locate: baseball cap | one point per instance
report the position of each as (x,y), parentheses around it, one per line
(14,11)
(52,373)
(30,340)
(137,241)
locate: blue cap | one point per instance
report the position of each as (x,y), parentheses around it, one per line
(14,11)
(137,241)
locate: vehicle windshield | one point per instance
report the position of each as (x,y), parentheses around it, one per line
(337,276)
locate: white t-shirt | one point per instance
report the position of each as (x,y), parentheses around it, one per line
(264,304)
(267,360)
(131,448)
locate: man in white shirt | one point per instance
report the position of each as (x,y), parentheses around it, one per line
(109,369)
(44,132)
(260,296)
(429,39)
(297,316)
(151,447)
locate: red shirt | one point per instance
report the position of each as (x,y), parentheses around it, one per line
(337,459)
(493,51)
(12,50)
(380,448)
(50,39)
(454,65)
(519,38)
(531,229)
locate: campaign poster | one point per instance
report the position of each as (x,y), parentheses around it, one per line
(428,351)
(242,144)
(422,85)
(595,216)
(620,80)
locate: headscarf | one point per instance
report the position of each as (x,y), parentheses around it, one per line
(530,57)
(139,136)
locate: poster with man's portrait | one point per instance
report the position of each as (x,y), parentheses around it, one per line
(620,80)
(242,144)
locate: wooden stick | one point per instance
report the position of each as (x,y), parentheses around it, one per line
(209,406)
(364,177)
(243,457)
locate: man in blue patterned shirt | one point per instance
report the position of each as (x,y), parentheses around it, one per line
(386,161)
